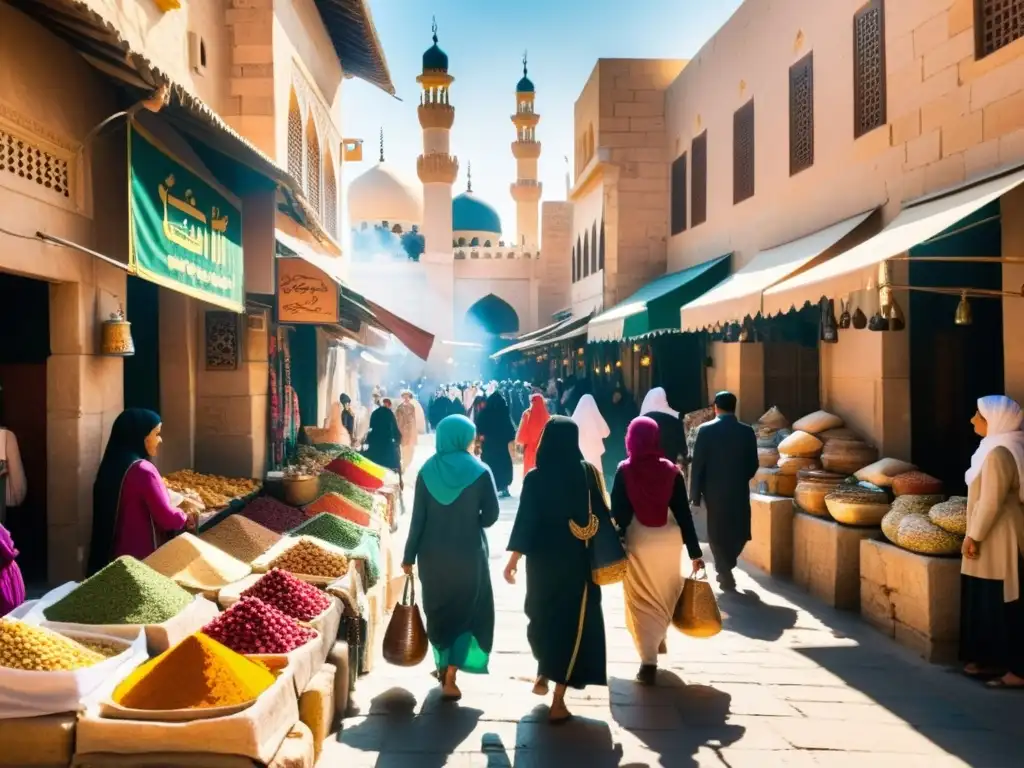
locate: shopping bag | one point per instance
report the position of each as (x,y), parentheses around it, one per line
(405,640)
(604,547)
(696,613)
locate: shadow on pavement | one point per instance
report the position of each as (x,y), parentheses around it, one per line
(580,742)
(675,720)
(746,614)
(404,739)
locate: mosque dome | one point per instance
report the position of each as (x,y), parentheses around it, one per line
(434,59)
(525,85)
(382,194)
(471,214)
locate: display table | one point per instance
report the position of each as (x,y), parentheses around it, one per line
(48,740)
(826,559)
(771,535)
(912,598)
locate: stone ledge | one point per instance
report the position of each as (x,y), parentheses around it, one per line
(912,598)
(826,559)
(771,535)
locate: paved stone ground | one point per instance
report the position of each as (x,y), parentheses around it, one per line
(787,683)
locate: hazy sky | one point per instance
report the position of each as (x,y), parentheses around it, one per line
(485,43)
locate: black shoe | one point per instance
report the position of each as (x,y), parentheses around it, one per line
(504,494)
(727,582)
(647,675)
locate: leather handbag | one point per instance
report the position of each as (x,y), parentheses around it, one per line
(696,613)
(604,547)
(405,640)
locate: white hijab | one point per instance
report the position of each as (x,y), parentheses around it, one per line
(589,419)
(656,401)
(1003,417)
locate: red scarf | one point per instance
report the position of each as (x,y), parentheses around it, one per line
(534,421)
(650,477)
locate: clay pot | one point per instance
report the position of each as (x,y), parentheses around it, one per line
(857,505)
(811,489)
(773,483)
(791,465)
(847,456)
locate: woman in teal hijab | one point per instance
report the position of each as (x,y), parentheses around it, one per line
(455,501)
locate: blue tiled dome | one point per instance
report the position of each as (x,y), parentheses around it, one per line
(470,214)
(434,58)
(525,85)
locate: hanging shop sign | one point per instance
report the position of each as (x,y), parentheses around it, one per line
(305,294)
(186,233)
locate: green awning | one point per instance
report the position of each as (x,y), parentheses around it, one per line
(655,307)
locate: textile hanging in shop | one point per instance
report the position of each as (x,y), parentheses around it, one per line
(186,231)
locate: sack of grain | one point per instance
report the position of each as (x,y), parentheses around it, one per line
(801,444)
(773,419)
(916,483)
(951,515)
(790,465)
(883,471)
(917,533)
(819,421)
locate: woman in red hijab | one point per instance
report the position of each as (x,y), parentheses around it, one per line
(530,429)
(647,487)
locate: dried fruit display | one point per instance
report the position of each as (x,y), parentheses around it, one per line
(124,592)
(309,558)
(250,626)
(289,595)
(35,649)
(273,514)
(214,490)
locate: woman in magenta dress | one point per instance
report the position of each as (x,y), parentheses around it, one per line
(12,586)
(132,510)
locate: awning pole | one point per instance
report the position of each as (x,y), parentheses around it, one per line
(53,240)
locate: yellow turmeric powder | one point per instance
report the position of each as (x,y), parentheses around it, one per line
(197,673)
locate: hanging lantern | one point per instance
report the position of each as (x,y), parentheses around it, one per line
(579,351)
(636,347)
(829,324)
(645,361)
(963,314)
(844,317)
(116,339)
(897,322)
(618,363)
(608,368)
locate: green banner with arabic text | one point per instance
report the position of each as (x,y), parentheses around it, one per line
(186,233)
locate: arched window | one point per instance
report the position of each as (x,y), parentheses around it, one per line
(397,229)
(330,196)
(574,278)
(313,167)
(487,243)
(475,242)
(296,156)
(586,254)
(579,258)
(600,249)
(593,253)
(462,242)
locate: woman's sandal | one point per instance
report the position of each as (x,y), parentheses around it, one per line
(562,720)
(999,684)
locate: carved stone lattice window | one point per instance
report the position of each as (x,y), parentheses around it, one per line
(997,24)
(296,157)
(699,180)
(331,197)
(223,342)
(801,115)
(743,153)
(313,168)
(26,161)
(869,68)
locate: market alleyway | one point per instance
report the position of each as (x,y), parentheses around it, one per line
(788,683)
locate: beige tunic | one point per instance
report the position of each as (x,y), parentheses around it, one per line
(995,519)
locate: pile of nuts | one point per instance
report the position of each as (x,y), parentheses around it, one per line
(310,559)
(214,490)
(250,626)
(34,649)
(289,595)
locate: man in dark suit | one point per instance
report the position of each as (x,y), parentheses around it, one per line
(724,461)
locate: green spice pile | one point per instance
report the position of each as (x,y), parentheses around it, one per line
(359,543)
(124,592)
(242,538)
(332,483)
(34,649)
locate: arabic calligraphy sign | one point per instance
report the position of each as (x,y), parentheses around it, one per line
(305,294)
(186,234)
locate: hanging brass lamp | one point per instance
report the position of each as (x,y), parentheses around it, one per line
(963,314)
(116,336)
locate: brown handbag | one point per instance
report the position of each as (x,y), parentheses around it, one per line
(696,613)
(405,641)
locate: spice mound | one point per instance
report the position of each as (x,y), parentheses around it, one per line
(197,673)
(332,529)
(34,649)
(332,483)
(195,564)
(241,538)
(273,514)
(311,559)
(214,490)
(252,626)
(124,592)
(290,595)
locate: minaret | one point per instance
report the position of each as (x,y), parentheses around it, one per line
(526,190)
(436,167)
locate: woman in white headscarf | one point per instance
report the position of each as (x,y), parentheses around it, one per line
(991,608)
(670,426)
(593,429)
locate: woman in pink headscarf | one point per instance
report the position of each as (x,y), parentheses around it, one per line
(646,489)
(12,587)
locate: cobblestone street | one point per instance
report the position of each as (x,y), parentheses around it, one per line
(788,683)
